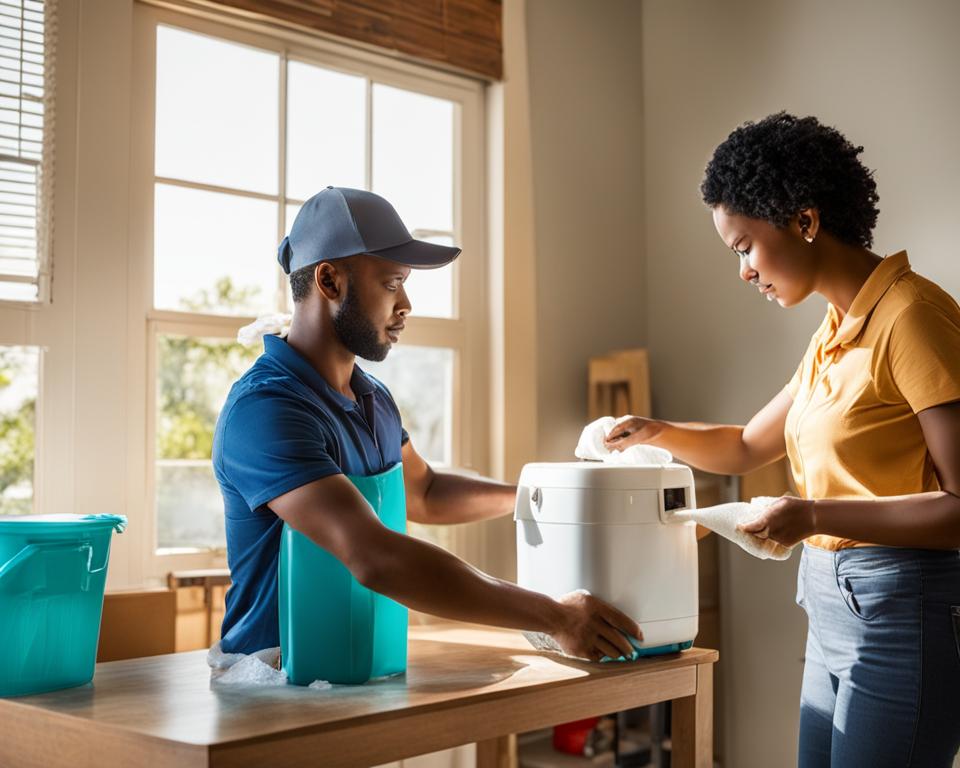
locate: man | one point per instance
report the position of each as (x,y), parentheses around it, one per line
(305,416)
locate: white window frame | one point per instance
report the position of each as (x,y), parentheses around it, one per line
(19,319)
(466,334)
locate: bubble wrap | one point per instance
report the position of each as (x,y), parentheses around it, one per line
(259,668)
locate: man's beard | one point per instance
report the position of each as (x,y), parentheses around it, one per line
(356,332)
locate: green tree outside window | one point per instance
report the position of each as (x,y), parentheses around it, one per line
(18,407)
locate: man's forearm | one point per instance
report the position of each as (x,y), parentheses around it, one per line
(454,498)
(922,520)
(429,579)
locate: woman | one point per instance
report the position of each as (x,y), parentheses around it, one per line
(870,422)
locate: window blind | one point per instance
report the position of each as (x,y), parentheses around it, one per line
(27,37)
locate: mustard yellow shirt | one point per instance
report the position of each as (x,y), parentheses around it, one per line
(852,431)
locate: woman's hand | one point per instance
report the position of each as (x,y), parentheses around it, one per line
(787,521)
(631,430)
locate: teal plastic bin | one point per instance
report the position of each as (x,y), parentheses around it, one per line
(52,572)
(332,627)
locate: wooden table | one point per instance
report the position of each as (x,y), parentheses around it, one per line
(463,684)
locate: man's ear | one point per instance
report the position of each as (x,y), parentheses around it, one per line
(330,281)
(807,224)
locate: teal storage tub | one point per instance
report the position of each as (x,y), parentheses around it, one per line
(53,569)
(332,627)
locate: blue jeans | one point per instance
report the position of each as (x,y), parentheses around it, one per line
(881,684)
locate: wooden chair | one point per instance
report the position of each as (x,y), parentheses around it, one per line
(200,598)
(619,384)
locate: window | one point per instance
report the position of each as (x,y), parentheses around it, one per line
(26,159)
(245,128)
(19,378)
(421,381)
(27,42)
(194,374)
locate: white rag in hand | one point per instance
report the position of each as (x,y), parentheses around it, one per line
(592,448)
(723,519)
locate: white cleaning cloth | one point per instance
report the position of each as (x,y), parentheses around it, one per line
(276,325)
(723,519)
(258,668)
(591,447)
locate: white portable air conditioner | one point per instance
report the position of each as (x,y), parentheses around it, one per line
(603,528)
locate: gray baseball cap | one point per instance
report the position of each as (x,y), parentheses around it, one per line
(339,222)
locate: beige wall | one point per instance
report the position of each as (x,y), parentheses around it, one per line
(882,71)
(586,123)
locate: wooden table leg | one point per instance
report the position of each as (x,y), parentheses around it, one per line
(497,753)
(692,724)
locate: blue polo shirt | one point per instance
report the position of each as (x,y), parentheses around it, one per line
(281,427)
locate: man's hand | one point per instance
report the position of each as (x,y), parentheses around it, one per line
(592,629)
(787,521)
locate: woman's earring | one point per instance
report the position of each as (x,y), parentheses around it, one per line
(806,235)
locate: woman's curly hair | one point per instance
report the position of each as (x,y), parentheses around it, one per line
(775,168)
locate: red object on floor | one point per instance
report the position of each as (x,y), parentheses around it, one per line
(572,737)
